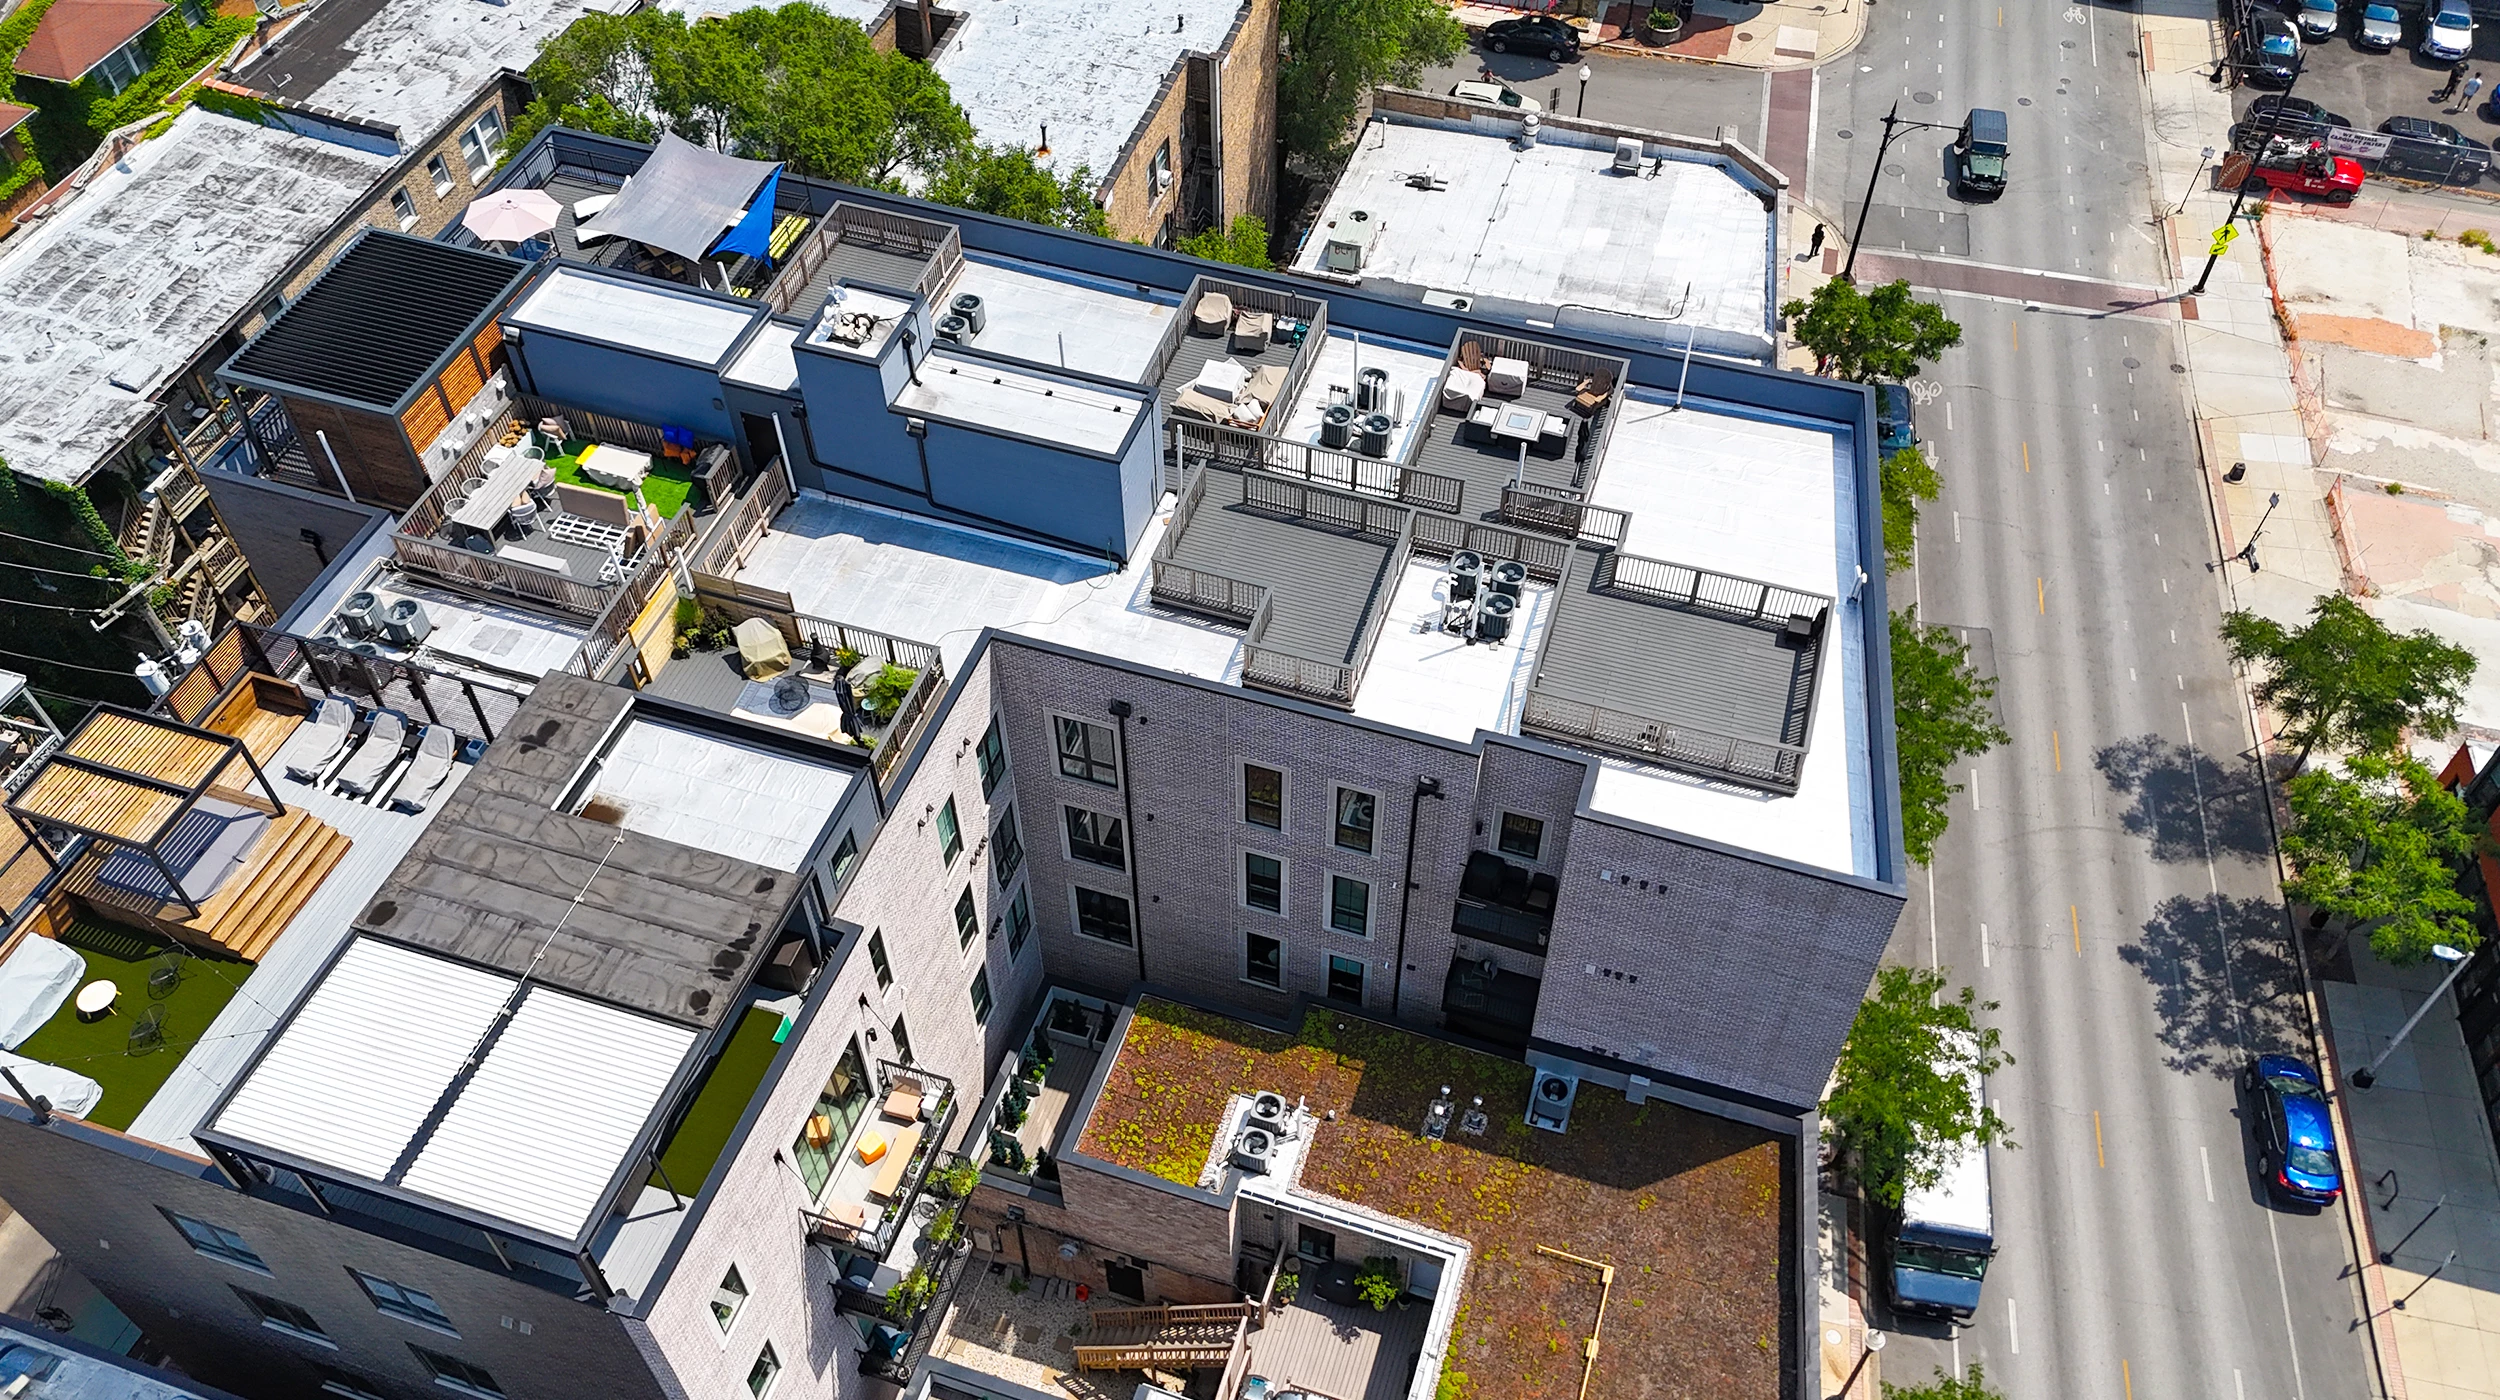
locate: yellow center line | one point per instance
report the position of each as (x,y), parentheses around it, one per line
(2097,1150)
(2026,457)
(2018,333)
(2041,587)
(2075,918)
(2057,754)
(2126,1377)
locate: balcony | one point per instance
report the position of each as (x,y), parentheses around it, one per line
(865,1208)
(1505,904)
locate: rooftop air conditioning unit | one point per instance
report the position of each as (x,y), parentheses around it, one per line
(1350,245)
(1449,301)
(1271,1112)
(404,622)
(1549,1103)
(366,649)
(1493,617)
(1375,439)
(1371,390)
(1336,425)
(1627,155)
(976,312)
(1507,576)
(1254,1149)
(954,328)
(356,614)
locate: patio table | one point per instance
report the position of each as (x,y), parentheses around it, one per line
(96,998)
(492,500)
(618,467)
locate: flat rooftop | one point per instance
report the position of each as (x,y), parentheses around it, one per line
(1051,318)
(864,13)
(573,300)
(1533,232)
(727,796)
(986,395)
(410,63)
(1695,1201)
(1088,71)
(490,642)
(115,293)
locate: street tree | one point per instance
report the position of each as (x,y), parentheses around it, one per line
(1901,1094)
(1946,1387)
(1940,717)
(2345,681)
(1866,336)
(1907,482)
(1007,180)
(1243,245)
(1337,51)
(2378,846)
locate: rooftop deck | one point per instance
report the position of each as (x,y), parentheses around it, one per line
(1693,1200)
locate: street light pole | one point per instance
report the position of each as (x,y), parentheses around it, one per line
(2367,1075)
(2274,123)
(1874,1343)
(1585,75)
(1893,126)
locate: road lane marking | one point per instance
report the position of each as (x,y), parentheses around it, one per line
(2018,333)
(2013,1330)
(1948,417)
(1983,946)
(2205,1160)
(2057,752)
(2126,1377)
(2238,1387)
(2026,456)
(2041,587)
(1957,527)
(1974,787)
(2182,680)
(2075,917)
(2098,1150)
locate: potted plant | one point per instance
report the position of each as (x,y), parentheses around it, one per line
(956,1182)
(1288,1287)
(1378,1282)
(1661,25)
(946,1228)
(883,695)
(911,1293)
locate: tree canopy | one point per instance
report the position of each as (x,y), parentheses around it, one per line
(1900,1094)
(1907,482)
(1940,717)
(2345,681)
(1337,51)
(1882,334)
(1946,1387)
(1242,245)
(2378,845)
(1006,180)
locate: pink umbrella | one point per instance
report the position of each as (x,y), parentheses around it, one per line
(512,216)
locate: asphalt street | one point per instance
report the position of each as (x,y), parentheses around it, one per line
(2107,877)
(1690,99)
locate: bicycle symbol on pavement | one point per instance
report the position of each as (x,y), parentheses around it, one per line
(2075,15)
(1925,391)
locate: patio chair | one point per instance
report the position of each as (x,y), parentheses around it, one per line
(1471,356)
(316,743)
(364,768)
(555,429)
(147,1033)
(524,514)
(165,976)
(436,749)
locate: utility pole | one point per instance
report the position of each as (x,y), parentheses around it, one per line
(1893,126)
(2230,223)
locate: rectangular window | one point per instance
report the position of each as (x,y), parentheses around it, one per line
(967,919)
(763,1373)
(1315,1244)
(1354,820)
(1103,916)
(845,856)
(1009,846)
(1350,906)
(279,1315)
(407,1304)
(404,209)
(902,1042)
(992,757)
(1345,980)
(1263,882)
(440,169)
(474,152)
(1096,839)
(950,833)
(728,1298)
(981,996)
(1263,960)
(1523,837)
(346,1384)
(1088,751)
(217,1242)
(452,1373)
(1161,171)
(1019,922)
(1263,796)
(490,130)
(838,1107)
(877,960)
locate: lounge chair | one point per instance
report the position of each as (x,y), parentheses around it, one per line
(374,757)
(317,742)
(435,751)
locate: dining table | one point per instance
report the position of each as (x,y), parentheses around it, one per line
(492,498)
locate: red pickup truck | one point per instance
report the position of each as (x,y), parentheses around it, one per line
(2302,165)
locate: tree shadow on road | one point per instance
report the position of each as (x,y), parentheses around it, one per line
(2166,781)
(2216,1007)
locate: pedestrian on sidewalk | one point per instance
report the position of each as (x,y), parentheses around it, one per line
(2456,77)
(2473,85)
(1814,246)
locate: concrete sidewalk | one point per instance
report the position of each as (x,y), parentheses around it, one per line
(1742,33)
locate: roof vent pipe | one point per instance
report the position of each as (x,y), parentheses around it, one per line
(1045,147)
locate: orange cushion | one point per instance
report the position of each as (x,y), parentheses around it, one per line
(871,1148)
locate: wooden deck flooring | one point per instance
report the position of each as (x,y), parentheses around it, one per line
(1344,1353)
(248,912)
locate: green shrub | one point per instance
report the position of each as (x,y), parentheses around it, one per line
(911,1293)
(1378,1282)
(2476,238)
(957,1181)
(883,695)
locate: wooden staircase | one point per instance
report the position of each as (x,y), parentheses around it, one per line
(248,912)
(1169,1337)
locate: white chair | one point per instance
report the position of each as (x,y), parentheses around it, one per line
(524,513)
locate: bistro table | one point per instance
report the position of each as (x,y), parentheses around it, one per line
(96,998)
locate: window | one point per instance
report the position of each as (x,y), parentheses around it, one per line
(1103,916)
(1354,820)
(193,13)
(440,169)
(1096,839)
(278,1315)
(404,208)
(877,960)
(950,833)
(1263,797)
(121,68)
(452,1373)
(478,146)
(845,856)
(217,1242)
(1019,922)
(1345,980)
(1009,847)
(1320,1246)
(1263,882)
(902,1042)
(1350,906)
(1160,173)
(1088,751)
(992,757)
(407,1304)
(981,996)
(490,129)
(763,1373)
(967,919)
(728,1298)
(1263,960)
(346,1383)
(272,309)
(1522,836)
(838,1107)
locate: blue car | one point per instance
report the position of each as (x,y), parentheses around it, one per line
(1893,427)
(2295,1133)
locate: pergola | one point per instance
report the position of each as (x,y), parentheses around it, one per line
(129,779)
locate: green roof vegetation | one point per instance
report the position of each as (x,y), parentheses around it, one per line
(100,1049)
(697,1142)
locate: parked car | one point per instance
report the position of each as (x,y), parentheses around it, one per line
(2317,19)
(2295,1134)
(2381,28)
(2426,149)
(1496,95)
(2267,49)
(2451,33)
(1894,429)
(2281,115)
(2298,165)
(1533,34)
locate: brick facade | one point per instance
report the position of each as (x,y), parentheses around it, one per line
(1235,87)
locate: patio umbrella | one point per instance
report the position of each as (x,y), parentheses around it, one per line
(512,216)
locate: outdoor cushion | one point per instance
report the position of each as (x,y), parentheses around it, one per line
(1507,379)
(903,1105)
(375,755)
(38,976)
(1192,403)
(1251,330)
(426,774)
(872,1148)
(1460,389)
(1221,379)
(70,1093)
(1264,383)
(605,507)
(1213,315)
(317,740)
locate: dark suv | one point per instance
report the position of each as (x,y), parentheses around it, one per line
(1533,34)
(2429,150)
(2266,49)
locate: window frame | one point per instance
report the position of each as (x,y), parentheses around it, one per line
(1284,884)
(1284,793)
(950,834)
(1007,847)
(1076,907)
(1362,984)
(251,1262)
(1159,170)
(439,170)
(767,1365)
(902,1039)
(1249,963)
(454,1374)
(403,208)
(1019,921)
(1501,837)
(339,1381)
(983,1003)
(731,1282)
(429,1315)
(1369,889)
(967,916)
(845,856)
(1069,813)
(990,757)
(280,1316)
(1337,826)
(878,962)
(1088,761)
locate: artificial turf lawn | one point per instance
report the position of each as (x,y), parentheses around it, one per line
(666,488)
(99,1049)
(705,1129)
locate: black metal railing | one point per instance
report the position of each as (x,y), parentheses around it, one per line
(1682,586)
(1602,526)
(1687,748)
